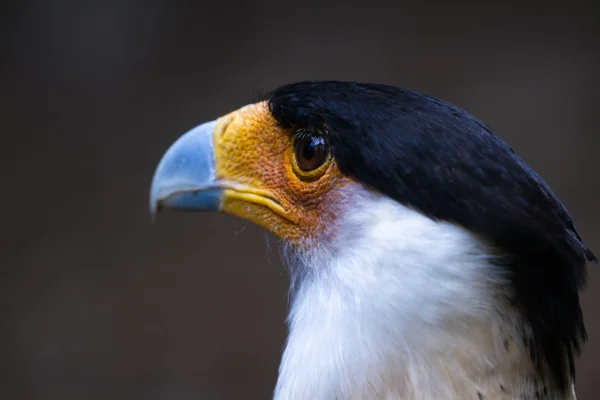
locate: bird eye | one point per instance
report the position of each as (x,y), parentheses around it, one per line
(311,152)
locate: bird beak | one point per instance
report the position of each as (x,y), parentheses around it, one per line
(219,166)
(185,178)
(233,164)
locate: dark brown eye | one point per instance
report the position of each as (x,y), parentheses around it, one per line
(311,152)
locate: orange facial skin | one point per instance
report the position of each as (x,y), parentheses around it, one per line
(256,164)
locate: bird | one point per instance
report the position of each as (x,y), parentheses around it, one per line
(427,260)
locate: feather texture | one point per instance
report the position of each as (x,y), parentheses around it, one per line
(400,306)
(436,158)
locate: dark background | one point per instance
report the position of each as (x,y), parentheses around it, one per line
(98,303)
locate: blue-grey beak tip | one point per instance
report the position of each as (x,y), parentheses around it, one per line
(185,178)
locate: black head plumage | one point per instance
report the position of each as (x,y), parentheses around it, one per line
(442,161)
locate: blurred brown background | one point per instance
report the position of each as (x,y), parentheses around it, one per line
(97,303)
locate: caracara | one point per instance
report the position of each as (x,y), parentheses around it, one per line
(427,260)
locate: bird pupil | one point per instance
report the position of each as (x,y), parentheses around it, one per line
(310,148)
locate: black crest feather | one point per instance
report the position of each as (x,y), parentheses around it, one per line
(439,159)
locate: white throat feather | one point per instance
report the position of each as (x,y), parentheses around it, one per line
(396,305)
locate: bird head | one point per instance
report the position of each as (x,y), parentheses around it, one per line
(345,171)
(249,164)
